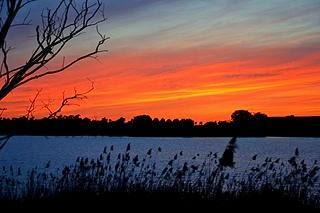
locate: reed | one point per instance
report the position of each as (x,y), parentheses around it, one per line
(213,179)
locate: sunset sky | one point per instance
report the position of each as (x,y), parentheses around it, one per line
(199,59)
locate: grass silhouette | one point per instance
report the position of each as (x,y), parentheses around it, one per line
(125,177)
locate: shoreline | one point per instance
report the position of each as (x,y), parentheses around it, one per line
(163,136)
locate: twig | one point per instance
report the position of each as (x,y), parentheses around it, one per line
(58,27)
(68,101)
(32,106)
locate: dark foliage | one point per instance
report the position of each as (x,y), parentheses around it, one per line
(243,123)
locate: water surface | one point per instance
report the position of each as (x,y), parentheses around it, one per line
(30,151)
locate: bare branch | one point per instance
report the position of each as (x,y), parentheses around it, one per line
(4,68)
(32,106)
(59,27)
(69,101)
(2,110)
(25,21)
(11,9)
(27,2)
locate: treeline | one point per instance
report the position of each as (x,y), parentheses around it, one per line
(242,123)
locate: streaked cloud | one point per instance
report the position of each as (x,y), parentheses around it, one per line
(200,59)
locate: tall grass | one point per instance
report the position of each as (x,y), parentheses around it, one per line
(212,179)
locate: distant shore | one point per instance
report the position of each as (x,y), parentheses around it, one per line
(243,124)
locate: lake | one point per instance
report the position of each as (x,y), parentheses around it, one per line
(31,151)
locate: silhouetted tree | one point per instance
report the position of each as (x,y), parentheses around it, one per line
(145,126)
(68,101)
(169,123)
(2,110)
(119,123)
(187,123)
(224,124)
(210,124)
(142,121)
(176,123)
(241,117)
(155,123)
(32,106)
(162,123)
(260,116)
(58,28)
(104,120)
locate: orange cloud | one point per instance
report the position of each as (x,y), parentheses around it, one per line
(201,83)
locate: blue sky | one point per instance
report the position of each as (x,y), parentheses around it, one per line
(193,51)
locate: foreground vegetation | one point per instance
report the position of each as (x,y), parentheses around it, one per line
(113,178)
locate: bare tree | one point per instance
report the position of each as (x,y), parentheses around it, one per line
(2,110)
(10,9)
(32,106)
(58,27)
(52,113)
(67,101)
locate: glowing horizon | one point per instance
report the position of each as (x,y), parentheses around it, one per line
(187,59)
